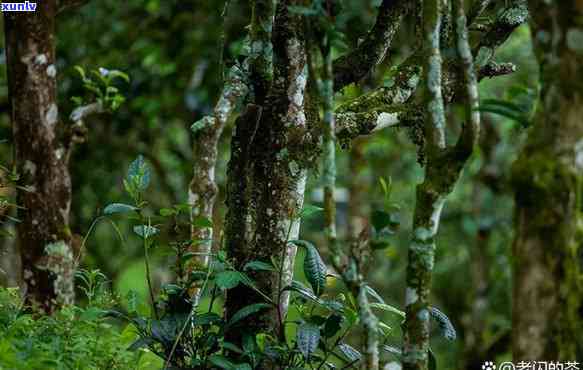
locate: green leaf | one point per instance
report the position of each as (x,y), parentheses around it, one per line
(243,366)
(200,221)
(132,301)
(349,352)
(504,104)
(81,71)
(232,347)
(118,208)
(445,325)
(139,173)
(246,311)
(165,212)
(258,266)
(388,308)
(522,119)
(309,210)
(432,361)
(308,336)
(332,326)
(221,362)
(393,350)
(115,74)
(228,279)
(373,293)
(380,219)
(315,269)
(207,318)
(141,343)
(302,10)
(146,231)
(303,290)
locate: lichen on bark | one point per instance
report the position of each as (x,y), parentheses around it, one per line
(45,185)
(442,170)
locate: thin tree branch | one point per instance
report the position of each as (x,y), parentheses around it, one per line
(471,129)
(478,7)
(354,66)
(443,169)
(429,201)
(509,19)
(407,75)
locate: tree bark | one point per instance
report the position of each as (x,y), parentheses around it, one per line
(43,232)
(547,178)
(275,173)
(442,170)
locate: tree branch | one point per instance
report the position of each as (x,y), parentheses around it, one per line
(471,129)
(509,19)
(406,78)
(429,199)
(478,7)
(352,67)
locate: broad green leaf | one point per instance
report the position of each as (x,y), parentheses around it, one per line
(246,311)
(380,219)
(258,266)
(303,290)
(141,343)
(228,279)
(232,347)
(146,231)
(221,362)
(139,173)
(244,366)
(207,318)
(201,222)
(118,208)
(445,325)
(165,212)
(315,269)
(349,352)
(310,210)
(504,104)
(308,336)
(332,325)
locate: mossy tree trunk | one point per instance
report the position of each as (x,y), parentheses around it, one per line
(45,186)
(271,150)
(547,178)
(442,169)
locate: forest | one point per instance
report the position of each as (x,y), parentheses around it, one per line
(291,184)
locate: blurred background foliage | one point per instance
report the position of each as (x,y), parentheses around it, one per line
(173,49)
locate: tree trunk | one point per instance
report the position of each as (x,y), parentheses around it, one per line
(547,178)
(267,176)
(43,232)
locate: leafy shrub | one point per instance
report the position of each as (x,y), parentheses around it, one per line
(73,338)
